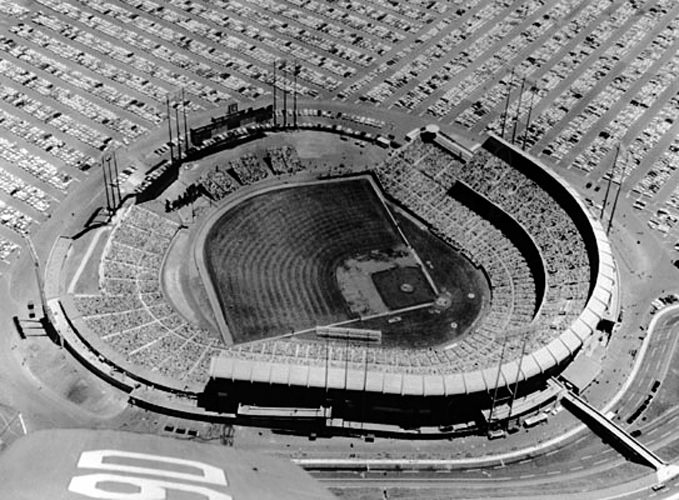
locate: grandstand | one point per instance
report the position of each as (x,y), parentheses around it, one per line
(131,317)
(545,261)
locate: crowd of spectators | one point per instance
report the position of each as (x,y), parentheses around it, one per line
(478,352)
(561,246)
(425,191)
(284,160)
(249,169)
(131,314)
(218,183)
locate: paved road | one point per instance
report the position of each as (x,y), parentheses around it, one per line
(586,462)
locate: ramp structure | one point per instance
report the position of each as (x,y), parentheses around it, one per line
(663,470)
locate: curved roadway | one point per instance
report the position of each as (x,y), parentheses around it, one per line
(578,465)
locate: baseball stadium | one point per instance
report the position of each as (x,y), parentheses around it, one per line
(433,290)
(372,237)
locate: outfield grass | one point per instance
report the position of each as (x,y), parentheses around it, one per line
(273,260)
(273,257)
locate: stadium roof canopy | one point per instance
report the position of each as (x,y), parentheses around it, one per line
(80,464)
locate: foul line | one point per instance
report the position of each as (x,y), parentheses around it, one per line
(380,195)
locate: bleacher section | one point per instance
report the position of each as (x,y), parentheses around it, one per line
(131,315)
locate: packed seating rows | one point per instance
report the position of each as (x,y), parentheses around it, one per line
(511,280)
(249,169)
(132,315)
(284,160)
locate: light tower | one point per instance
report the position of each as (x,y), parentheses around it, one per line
(509,94)
(533,88)
(169,127)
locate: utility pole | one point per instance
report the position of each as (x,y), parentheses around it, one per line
(46,316)
(518,110)
(509,93)
(608,186)
(169,127)
(617,194)
(294,93)
(186,129)
(285,93)
(524,343)
(530,112)
(111,182)
(274,92)
(116,185)
(179,134)
(497,379)
(108,201)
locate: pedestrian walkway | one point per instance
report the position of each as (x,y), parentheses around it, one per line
(663,470)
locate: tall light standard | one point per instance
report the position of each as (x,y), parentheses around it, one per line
(509,93)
